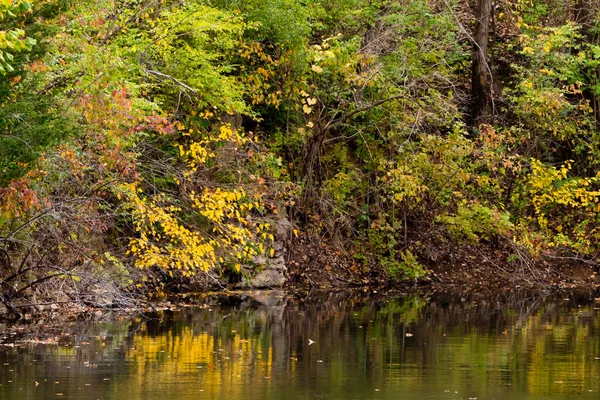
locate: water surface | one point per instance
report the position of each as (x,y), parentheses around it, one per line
(507,346)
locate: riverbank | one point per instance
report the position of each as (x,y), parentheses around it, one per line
(468,266)
(302,267)
(311,281)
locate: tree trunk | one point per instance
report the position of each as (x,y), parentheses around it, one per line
(585,16)
(481,79)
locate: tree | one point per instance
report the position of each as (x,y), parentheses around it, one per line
(481,80)
(585,17)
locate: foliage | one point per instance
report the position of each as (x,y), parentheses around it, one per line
(406,268)
(13,39)
(171,136)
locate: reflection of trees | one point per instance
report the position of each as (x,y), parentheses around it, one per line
(506,345)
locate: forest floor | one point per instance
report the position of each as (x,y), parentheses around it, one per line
(469,267)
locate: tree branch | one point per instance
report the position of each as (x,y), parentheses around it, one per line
(171,78)
(343,118)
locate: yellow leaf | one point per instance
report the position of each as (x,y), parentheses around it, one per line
(547,47)
(317,69)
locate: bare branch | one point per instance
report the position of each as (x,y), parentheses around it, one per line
(171,78)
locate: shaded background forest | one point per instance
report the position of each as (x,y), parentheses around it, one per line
(149,141)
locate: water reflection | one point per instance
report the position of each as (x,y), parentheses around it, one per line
(336,347)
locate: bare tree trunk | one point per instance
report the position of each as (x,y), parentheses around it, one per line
(585,16)
(481,79)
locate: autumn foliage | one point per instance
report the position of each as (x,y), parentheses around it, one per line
(154,141)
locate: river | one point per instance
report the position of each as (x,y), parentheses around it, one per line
(331,346)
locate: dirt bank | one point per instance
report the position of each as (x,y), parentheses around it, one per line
(318,265)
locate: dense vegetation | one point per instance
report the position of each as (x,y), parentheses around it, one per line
(149,141)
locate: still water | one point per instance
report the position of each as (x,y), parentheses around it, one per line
(507,346)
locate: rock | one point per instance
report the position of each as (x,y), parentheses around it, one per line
(261,260)
(283,227)
(268,278)
(274,270)
(273,275)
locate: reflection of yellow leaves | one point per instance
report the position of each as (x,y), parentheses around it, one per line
(306,109)
(191,352)
(316,69)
